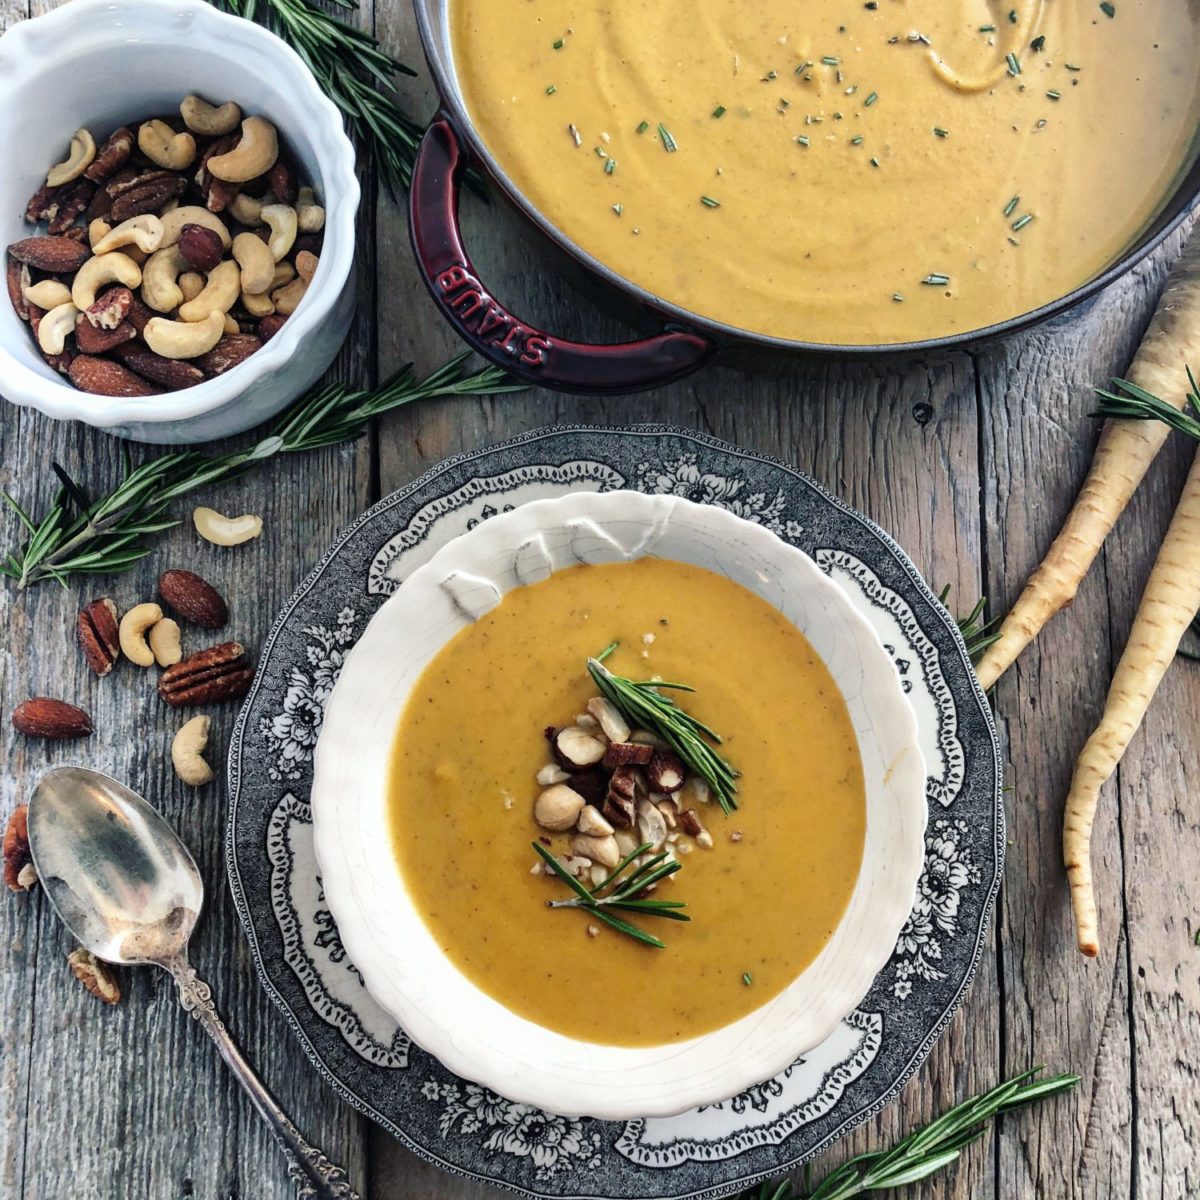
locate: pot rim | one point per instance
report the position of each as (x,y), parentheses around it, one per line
(453,107)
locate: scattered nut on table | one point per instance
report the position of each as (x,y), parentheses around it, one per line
(135,626)
(187,749)
(95,975)
(214,527)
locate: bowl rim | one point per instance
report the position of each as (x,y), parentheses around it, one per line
(475,1058)
(20,58)
(677,315)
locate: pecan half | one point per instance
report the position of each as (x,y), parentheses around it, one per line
(18,861)
(231,351)
(111,156)
(16,275)
(172,373)
(220,673)
(72,204)
(54,255)
(622,754)
(43,204)
(103,377)
(93,340)
(218,194)
(193,598)
(98,635)
(47,718)
(148,197)
(95,975)
(132,178)
(110,309)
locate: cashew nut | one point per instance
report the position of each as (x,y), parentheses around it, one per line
(284,273)
(79,158)
(306,265)
(97,229)
(231,326)
(102,270)
(184,339)
(207,119)
(56,326)
(160,289)
(164,147)
(246,210)
(164,642)
(135,625)
(282,220)
(191,284)
(309,214)
(191,214)
(260,305)
(256,262)
(602,850)
(220,293)
(287,299)
(145,232)
(186,749)
(254,155)
(47,294)
(213,527)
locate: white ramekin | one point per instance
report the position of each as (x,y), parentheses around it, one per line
(102,63)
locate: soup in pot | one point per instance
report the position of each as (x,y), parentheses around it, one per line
(839,171)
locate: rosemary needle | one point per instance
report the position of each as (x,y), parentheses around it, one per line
(644,704)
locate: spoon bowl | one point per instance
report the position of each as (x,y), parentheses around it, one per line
(114,870)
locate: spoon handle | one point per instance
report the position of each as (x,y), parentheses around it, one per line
(315,1176)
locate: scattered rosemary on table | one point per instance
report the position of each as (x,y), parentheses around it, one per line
(645,705)
(352,70)
(976,632)
(82,536)
(927,1150)
(621,891)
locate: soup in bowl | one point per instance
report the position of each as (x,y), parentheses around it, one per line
(618,805)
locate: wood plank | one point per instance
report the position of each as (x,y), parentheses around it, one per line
(147,1107)
(1061,1010)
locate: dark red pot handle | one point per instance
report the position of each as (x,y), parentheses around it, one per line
(490,329)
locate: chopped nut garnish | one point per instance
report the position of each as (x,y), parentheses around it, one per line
(593,931)
(615,727)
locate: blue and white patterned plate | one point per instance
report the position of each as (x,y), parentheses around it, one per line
(714,1151)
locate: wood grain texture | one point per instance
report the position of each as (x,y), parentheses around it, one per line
(969,459)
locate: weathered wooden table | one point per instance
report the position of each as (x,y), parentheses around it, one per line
(970,459)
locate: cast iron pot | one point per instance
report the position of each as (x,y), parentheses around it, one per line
(685,340)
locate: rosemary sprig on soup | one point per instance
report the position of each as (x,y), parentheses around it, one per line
(509,739)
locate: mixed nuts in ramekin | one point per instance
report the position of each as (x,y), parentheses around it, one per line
(174,249)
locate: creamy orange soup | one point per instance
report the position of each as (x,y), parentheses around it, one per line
(833,170)
(763,901)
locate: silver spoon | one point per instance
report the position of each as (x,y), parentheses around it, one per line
(127,888)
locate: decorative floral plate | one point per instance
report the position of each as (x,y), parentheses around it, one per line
(710,1152)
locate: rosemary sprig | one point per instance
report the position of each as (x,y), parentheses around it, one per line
(79,536)
(1131,402)
(620,891)
(352,70)
(977,633)
(644,704)
(927,1150)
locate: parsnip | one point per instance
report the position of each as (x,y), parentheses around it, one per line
(1169,603)
(1123,455)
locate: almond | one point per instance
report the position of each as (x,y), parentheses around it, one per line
(48,718)
(172,373)
(193,598)
(231,351)
(270,325)
(103,377)
(55,255)
(99,635)
(202,247)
